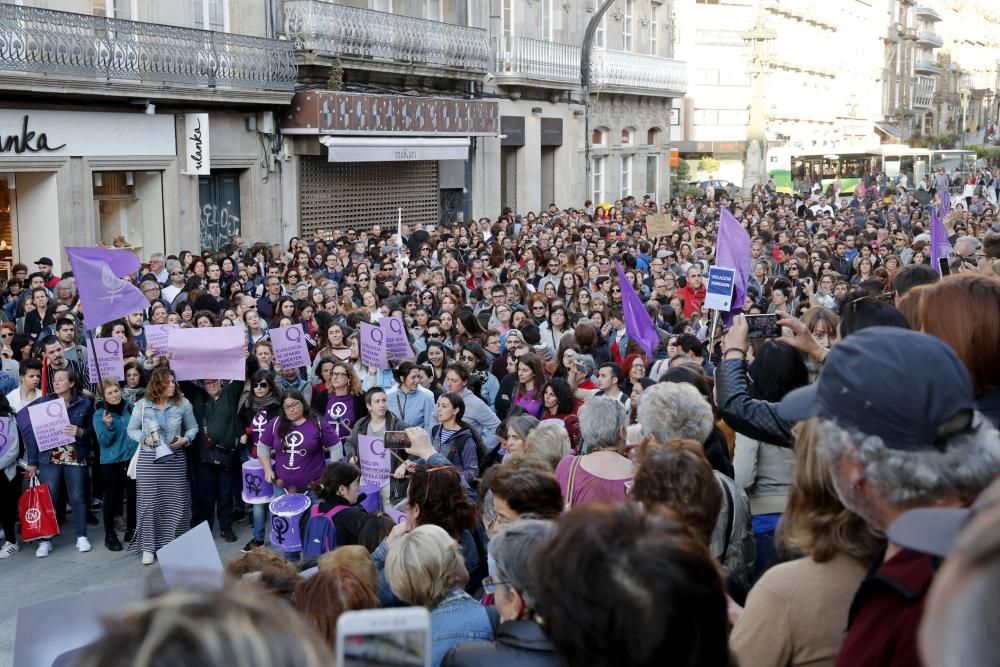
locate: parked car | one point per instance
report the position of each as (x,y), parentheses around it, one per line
(721,186)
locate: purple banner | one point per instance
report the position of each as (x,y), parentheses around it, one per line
(395,515)
(375,460)
(290,346)
(8,434)
(373,346)
(48,422)
(157,336)
(218,353)
(109,358)
(397,343)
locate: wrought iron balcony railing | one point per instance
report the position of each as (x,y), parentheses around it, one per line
(56,44)
(350,32)
(636,72)
(923,92)
(523,58)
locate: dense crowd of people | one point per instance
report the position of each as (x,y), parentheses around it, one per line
(568,495)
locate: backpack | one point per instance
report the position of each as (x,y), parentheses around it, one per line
(320,535)
(484,459)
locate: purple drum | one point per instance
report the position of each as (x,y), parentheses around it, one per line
(286,515)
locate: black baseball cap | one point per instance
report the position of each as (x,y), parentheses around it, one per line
(44,260)
(907,387)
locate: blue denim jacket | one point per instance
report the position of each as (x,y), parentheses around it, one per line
(177,419)
(457,619)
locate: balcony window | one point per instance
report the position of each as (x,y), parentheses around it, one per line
(113,9)
(507,20)
(597,179)
(600,35)
(433,10)
(652,174)
(627,26)
(654,30)
(128,209)
(626,182)
(211,15)
(548,20)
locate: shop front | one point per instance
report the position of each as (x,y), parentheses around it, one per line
(83,178)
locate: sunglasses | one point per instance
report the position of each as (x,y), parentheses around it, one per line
(434,334)
(262,385)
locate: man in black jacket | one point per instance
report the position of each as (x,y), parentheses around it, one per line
(520,640)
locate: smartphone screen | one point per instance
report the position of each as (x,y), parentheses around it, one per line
(397,637)
(763,326)
(396,440)
(944,266)
(580,367)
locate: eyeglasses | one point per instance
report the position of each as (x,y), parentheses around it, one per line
(338,374)
(538,308)
(176,273)
(292,406)
(468,357)
(434,334)
(490,584)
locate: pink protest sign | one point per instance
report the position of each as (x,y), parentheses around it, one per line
(157,336)
(373,346)
(290,346)
(218,353)
(109,359)
(49,421)
(375,460)
(397,343)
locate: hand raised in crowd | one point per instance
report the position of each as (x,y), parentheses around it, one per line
(736,342)
(796,334)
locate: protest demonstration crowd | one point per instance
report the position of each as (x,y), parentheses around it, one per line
(537,429)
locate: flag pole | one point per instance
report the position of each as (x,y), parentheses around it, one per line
(97,363)
(711,334)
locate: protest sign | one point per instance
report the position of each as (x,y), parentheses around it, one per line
(397,344)
(660,224)
(376,463)
(48,423)
(8,434)
(108,353)
(157,336)
(373,346)
(201,354)
(290,346)
(719,291)
(192,559)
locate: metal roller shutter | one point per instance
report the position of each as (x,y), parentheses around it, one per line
(359,195)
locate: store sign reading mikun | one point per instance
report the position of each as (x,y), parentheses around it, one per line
(23,143)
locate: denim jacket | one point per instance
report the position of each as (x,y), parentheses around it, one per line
(457,619)
(177,419)
(80,412)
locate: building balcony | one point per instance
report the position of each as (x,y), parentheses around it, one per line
(923,92)
(637,73)
(43,50)
(929,39)
(370,40)
(927,67)
(525,61)
(927,13)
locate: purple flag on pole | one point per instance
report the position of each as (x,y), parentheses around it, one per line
(734,253)
(940,247)
(638,324)
(945,203)
(105,296)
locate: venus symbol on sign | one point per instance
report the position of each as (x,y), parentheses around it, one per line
(253,483)
(259,421)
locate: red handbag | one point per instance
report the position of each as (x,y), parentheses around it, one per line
(38,515)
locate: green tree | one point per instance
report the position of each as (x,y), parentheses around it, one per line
(709,165)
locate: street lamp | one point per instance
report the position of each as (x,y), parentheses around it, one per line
(964,96)
(759,38)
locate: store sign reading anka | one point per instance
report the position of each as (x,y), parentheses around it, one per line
(23,143)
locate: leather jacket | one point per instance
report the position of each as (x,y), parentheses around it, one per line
(518,644)
(752,417)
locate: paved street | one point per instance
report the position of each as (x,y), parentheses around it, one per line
(27,579)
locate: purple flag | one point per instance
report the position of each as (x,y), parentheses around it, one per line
(734,253)
(638,324)
(103,293)
(945,203)
(940,247)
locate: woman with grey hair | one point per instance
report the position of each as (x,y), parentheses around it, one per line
(512,580)
(600,474)
(549,439)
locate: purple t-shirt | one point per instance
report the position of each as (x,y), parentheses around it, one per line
(299,459)
(340,415)
(531,401)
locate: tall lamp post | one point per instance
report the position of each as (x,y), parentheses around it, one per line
(963,97)
(588,43)
(759,38)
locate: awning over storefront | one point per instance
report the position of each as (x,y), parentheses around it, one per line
(395,149)
(890,131)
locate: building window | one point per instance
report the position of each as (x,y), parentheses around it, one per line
(113,9)
(508,24)
(128,209)
(598,137)
(654,30)
(626,183)
(211,15)
(597,179)
(627,26)
(600,34)
(653,137)
(652,174)
(433,10)
(548,20)
(628,137)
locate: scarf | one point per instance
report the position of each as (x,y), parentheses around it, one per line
(250,399)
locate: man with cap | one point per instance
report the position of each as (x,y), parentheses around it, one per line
(960,624)
(890,452)
(44,265)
